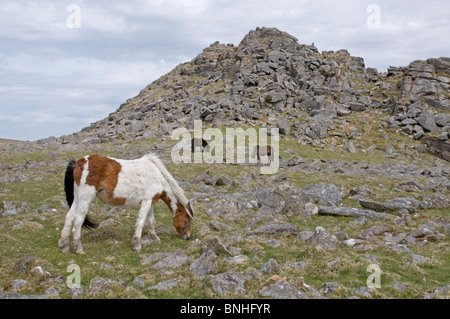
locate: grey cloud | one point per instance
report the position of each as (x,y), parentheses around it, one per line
(66,78)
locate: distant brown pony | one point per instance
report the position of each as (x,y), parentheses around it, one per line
(198,142)
(259,151)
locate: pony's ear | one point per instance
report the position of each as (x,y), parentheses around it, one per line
(190,211)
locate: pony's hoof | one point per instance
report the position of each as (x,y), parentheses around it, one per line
(77,248)
(63,245)
(136,245)
(154,238)
(64,250)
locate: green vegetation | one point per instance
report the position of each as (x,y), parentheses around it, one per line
(109,253)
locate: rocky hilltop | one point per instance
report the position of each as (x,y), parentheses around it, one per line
(271,79)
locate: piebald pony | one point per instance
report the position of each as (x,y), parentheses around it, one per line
(120,182)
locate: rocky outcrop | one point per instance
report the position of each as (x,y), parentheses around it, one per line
(270,79)
(428,81)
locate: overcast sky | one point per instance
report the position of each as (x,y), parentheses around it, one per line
(62,68)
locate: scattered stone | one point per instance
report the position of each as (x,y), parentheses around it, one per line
(357,107)
(349,147)
(435,201)
(215,244)
(277,179)
(401,249)
(380,229)
(225,208)
(282,290)
(310,209)
(13,295)
(203,230)
(284,126)
(418,259)
(352,212)
(10,212)
(272,199)
(53,292)
(366,235)
(17,284)
(139,282)
(216,225)
(390,149)
(226,283)
(372,259)
(341,236)
(330,287)
(399,286)
(392,205)
(323,239)
(438,291)
(270,266)
(274,243)
(169,284)
(322,193)
(409,186)
(394,240)
(342,111)
(221,180)
(76,292)
(167,260)
(300,264)
(100,285)
(206,264)
(110,222)
(106,266)
(305,235)
(407,203)
(364,291)
(39,271)
(351,242)
(285,229)
(426,120)
(240,259)
(420,233)
(359,221)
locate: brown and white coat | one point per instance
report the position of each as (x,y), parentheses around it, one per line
(126,183)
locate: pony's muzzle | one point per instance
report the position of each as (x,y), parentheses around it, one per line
(186,237)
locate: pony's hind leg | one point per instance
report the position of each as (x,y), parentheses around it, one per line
(84,203)
(63,242)
(151,225)
(142,216)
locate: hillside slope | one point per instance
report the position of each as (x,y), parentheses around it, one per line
(270,79)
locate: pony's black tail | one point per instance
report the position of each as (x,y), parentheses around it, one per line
(89,223)
(68,182)
(69,190)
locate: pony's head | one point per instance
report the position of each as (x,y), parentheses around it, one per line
(182,220)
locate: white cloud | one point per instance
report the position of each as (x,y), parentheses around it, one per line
(123,46)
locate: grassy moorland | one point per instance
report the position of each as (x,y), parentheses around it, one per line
(38,199)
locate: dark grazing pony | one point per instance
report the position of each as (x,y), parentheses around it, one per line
(198,143)
(259,151)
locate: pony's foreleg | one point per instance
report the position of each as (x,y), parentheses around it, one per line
(84,202)
(142,216)
(151,225)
